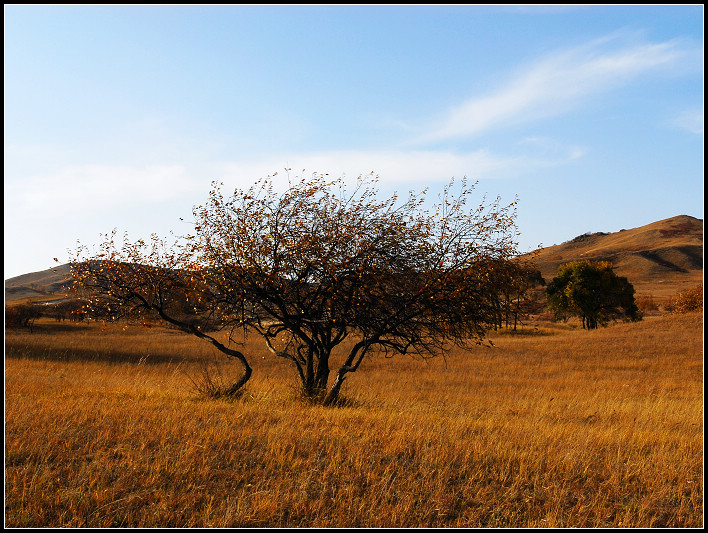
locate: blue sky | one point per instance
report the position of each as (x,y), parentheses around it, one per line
(121,116)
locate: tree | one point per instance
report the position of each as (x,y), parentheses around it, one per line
(315,265)
(512,280)
(592,291)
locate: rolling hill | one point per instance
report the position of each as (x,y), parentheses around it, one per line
(39,285)
(659,259)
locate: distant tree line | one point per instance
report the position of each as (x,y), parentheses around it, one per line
(23,315)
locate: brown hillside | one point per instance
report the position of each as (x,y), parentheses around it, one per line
(39,284)
(659,259)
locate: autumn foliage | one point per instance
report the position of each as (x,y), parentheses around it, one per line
(313,266)
(688,301)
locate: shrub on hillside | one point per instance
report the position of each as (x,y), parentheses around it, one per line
(687,301)
(647,303)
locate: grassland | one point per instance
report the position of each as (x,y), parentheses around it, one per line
(562,427)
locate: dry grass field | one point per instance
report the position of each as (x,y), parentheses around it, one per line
(555,427)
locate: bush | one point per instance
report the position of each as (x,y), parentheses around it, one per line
(647,303)
(690,300)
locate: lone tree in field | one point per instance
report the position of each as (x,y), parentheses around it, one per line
(308,268)
(592,291)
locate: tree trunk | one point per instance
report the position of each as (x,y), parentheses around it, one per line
(309,383)
(333,394)
(322,371)
(236,387)
(190,328)
(314,382)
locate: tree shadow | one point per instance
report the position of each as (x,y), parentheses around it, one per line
(48,353)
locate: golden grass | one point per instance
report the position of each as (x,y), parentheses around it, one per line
(571,428)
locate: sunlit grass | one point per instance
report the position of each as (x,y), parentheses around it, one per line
(569,428)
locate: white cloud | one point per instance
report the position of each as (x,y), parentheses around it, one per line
(83,191)
(690,120)
(95,188)
(403,169)
(555,84)
(395,167)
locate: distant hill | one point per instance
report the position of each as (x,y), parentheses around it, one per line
(661,259)
(36,285)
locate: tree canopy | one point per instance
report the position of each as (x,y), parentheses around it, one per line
(314,265)
(592,291)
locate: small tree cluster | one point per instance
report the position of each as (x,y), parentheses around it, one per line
(592,291)
(513,281)
(22,315)
(308,268)
(72,310)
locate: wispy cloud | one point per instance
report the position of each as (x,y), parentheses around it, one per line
(548,86)
(555,84)
(81,192)
(404,169)
(690,120)
(397,167)
(87,189)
